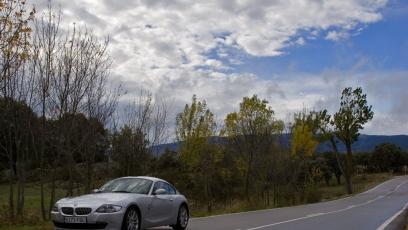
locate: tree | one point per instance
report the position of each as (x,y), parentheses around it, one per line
(332,162)
(43,67)
(130,152)
(195,125)
(17,121)
(304,142)
(83,64)
(251,132)
(387,157)
(15,89)
(323,131)
(196,121)
(15,44)
(354,112)
(149,114)
(171,169)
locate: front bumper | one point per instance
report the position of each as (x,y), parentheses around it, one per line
(108,221)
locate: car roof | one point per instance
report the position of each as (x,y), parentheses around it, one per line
(154,179)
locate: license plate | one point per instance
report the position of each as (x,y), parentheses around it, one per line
(75,219)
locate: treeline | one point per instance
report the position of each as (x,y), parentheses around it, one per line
(285,181)
(54,100)
(61,129)
(58,111)
(386,157)
(253,164)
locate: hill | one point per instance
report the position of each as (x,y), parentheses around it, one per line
(365,143)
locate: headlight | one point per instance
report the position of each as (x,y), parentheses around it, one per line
(108,208)
(55,208)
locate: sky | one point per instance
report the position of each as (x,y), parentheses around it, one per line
(294,53)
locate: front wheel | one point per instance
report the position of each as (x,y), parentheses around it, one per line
(131,220)
(182,218)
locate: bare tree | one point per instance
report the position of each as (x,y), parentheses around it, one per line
(43,67)
(78,87)
(101,103)
(14,52)
(144,125)
(149,115)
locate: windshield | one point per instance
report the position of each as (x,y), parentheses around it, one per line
(127,185)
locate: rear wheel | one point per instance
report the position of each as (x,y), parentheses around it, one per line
(131,220)
(182,218)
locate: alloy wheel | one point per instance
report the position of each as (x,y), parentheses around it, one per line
(183,216)
(132,220)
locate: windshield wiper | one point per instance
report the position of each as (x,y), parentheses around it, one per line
(122,191)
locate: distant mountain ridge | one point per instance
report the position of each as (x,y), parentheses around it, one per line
(365,143)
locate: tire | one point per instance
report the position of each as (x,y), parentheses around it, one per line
(131,220)
(182,218)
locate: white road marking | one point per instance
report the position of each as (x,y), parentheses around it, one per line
(270,209)
(389,220)
(335,211)
(376,187)
(315,214)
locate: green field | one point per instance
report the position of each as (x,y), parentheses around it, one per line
(32,209)
(32,202)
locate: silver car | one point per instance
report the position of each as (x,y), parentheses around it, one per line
(131,203)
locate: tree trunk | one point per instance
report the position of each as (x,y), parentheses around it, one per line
(88,177)
(349,184)
(52,195)
(248,177)
(11,198)
(71,165)
(267,197)
(42,197)
(349,168)
(247,184)
(336,153)
(338,178)
(70,190)
(42,150)
(209,199)
(20,189)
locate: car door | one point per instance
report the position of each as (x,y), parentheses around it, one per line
(161,208)
(172,193)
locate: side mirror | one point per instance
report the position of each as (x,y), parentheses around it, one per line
(159,191)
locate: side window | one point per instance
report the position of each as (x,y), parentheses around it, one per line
(159,185)
(170,189)
(156,186)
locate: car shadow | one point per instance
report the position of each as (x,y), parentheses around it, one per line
(162,228)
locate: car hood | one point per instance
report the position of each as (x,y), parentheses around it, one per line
(99,199)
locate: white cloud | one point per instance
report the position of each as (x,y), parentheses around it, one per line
(337,35)
(180,33)
(300,41)
(183,47)
(291,93)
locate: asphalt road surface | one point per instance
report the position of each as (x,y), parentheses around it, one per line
(374,209)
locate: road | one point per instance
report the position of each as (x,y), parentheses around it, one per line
(373,209)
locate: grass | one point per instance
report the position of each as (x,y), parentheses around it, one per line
(38,226)
(32,202)
(361,183)
(32,211)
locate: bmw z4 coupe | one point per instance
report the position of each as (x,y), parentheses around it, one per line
(131,203)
